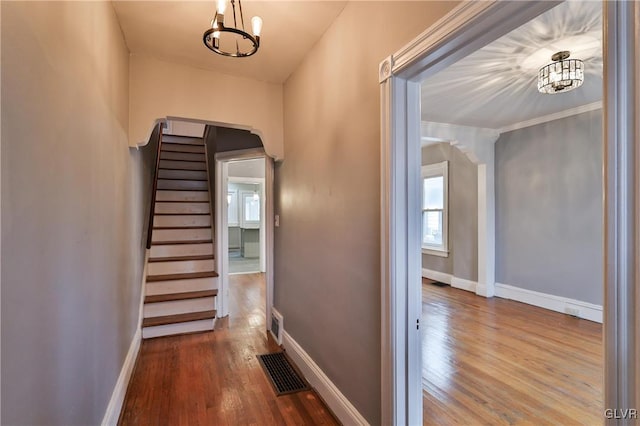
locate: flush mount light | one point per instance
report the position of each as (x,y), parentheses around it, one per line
(562,75)
(229,39)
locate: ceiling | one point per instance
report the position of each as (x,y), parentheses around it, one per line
(172,31)
(496,86)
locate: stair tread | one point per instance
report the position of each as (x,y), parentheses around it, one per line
(181,258)
(186,189)
(182,170)
(182,179)
(186,161)
(178,318)
(180,296)
(181,214)
(181,276)
(171,146)
(165,135)
(181,227)
(168,243)
(179,201)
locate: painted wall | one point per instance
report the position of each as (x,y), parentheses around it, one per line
(247,168)
(549,208)
(160,89)
(327,263)
(462,261)
(71,217)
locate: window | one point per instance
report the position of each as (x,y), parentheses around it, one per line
(250,210)
(434,209)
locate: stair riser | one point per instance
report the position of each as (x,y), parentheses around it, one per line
(182,165)
(169,155)
(182,140)
(160,235)
(183,266)
(180,286)
(182,208)
(181,250)
(180,328)
(167,147)
(178,307)
(196,185)
(179,221)
(163,195)
(182,174)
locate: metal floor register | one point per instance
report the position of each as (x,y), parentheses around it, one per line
(282,375)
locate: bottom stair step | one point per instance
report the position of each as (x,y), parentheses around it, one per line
(173,319)
(178,328)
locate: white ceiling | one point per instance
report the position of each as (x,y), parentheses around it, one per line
(172,30)
(496,86)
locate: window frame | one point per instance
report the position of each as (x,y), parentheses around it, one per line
(431,171)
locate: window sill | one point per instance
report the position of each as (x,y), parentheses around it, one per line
(435,252)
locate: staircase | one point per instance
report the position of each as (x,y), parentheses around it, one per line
(181,284)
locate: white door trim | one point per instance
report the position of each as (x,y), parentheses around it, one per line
(467,28)
(222,160)
(621,55)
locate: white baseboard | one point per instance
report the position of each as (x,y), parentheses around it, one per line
(335,400)
(437,276)
(564,305)
(112,414)
(453,281)
(463,284)
(117,397)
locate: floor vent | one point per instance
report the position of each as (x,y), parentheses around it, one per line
(282,375)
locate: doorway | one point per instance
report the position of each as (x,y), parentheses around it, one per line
(245,216)
(465,30)
(244,198)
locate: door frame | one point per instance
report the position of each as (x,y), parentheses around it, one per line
(222,160)
(464,30)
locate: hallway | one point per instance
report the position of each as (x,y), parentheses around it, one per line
(214,378)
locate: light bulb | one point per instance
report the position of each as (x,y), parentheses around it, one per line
(256,197)
(214,25)
(229,199)
(256,24)
(222,6)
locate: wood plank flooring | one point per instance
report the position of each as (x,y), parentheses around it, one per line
(500,362)
(214,378)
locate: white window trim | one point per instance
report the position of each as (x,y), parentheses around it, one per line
(434,170)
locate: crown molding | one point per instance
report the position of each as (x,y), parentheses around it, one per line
(550,117)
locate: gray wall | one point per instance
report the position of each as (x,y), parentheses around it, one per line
(462,261)
(549,208)
(327,248)
(71,212)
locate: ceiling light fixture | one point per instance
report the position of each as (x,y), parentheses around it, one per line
(232,40)
(562,75)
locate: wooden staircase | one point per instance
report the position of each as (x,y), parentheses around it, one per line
(181,284)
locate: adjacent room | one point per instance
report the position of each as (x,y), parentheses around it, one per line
(245,218)
(512,188)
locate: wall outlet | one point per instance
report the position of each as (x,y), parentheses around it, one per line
(572,311)
(277,217)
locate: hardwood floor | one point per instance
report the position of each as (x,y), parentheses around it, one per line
(214,378)
(500,362)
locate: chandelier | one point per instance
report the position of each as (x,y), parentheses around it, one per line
(230,38)
(562,75)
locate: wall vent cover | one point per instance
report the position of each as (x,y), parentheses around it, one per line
(282,375)
(276,326)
